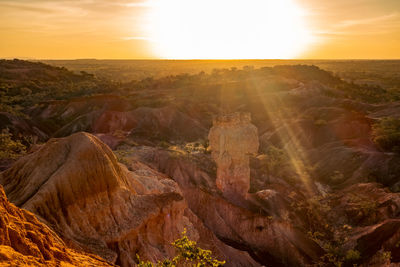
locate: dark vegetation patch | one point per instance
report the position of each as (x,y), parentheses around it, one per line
(387,134)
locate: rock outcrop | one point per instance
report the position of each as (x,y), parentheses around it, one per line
(77,186)
(375,211)
(24,241)
(259,225)
(273,224)
(112,114)
(232,138)
(21,127)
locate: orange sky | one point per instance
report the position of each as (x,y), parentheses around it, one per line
(118,29)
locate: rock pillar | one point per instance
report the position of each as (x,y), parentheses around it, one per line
(232,138)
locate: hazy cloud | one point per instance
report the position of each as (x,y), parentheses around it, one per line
(139,4)
(384,19)
(136,38)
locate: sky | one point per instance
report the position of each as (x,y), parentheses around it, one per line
(122,29)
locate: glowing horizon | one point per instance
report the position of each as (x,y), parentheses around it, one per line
(219,29)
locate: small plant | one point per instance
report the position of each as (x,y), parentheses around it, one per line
(333,255)
(206,146)
(382,258)
(337,177)
(315,211)
(386,256)
(9,148)
(365,207)
(320,122)
(164,144)
(276,159)
(352,255)
(121,156)
(188,254)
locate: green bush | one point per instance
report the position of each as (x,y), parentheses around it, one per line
(276,159)
(352,255)
(188,254)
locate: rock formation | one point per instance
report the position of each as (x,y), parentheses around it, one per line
(274,230)
(77,186)
(258,225)
(232,138)
(24,241)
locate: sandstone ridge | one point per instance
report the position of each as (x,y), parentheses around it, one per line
(76,185)
(24,241)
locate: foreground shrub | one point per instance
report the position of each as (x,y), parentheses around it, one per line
(188,254)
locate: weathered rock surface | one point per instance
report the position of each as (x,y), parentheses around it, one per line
(384,236)
(232,138)
(78,188)
(365,204)
(22,127)
(321,128)
(111,114)
(24,241)
(256,225)
(274,224)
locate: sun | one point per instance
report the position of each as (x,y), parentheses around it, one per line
(227,29)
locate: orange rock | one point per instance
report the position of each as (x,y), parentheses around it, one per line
(232,139)
(77,186)
(24,241)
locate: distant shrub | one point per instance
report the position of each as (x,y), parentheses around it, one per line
(382,258)
(320,122)
(164,144)
(276,158)
(364,209)
(352,255)
(201,146)
(386,255)
(337,177)
(206,145)
(121,156)
(9,148)
(386,134)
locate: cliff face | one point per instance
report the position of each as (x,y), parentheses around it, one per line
(76,185)
(273,224)
(232,138)
(79,188)
(256,225)
(24,241)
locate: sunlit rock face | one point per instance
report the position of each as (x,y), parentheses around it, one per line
(77,186)
(25,241)
(232,138)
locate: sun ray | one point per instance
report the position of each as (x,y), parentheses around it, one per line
(288,132)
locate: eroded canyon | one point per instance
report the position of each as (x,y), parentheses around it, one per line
(267,167)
